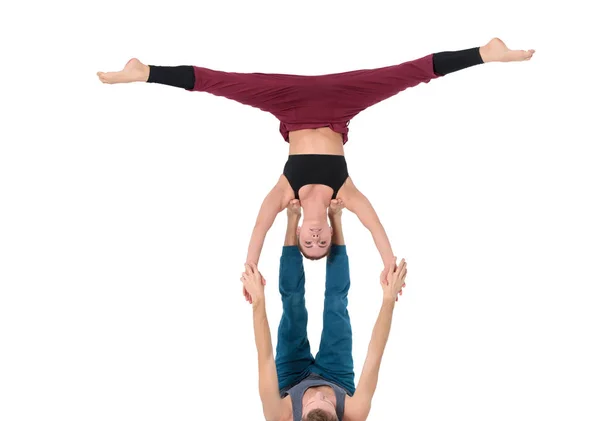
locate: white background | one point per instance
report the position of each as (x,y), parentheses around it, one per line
(125,211)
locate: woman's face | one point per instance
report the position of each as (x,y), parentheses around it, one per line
(314,238)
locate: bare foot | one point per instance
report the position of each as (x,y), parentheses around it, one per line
(134,71)
(496,50)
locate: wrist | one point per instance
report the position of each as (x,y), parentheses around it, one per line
(144,75)
(388,301)
(258,303)
(485,54)
(335,219)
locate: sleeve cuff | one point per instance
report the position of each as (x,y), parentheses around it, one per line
(337,250)
(290,251)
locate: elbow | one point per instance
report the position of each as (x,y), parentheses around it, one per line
(265,355)
(262,226)
(377,224)
(374,225)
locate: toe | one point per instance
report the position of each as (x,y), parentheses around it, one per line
(528,54)
(517,55)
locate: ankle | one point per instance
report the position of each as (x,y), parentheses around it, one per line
(485,54)
(144,73)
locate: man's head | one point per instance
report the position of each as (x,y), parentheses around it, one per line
(314,239)
(319,408)
(320,415)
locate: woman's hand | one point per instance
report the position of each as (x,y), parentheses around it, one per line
(392,280)
(254,284)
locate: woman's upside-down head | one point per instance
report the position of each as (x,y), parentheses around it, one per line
(314,238)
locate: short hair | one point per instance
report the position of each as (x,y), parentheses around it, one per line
(320,415)
(325,254)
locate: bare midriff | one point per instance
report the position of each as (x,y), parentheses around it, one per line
(323,141)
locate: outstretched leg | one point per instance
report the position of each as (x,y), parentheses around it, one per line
(334,359)
(352,92)
(293,358)
(275,93)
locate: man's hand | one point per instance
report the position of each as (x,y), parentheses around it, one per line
(254,284)
(335,207)
(294,209)
(384,273)
(392,282)
(294,212)
(335,219)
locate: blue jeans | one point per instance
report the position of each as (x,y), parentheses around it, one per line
(294,360)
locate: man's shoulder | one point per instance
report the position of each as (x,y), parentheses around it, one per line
(286,411)
(355,409)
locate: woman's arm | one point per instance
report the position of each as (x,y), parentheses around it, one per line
(276,201)
(357,203)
